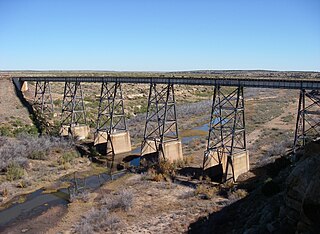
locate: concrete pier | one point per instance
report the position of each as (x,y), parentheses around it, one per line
(121,141)
(240,163)
(79,132)
(172,150)
(214,167)
(24,86)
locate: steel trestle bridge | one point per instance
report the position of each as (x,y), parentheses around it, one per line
(227,135)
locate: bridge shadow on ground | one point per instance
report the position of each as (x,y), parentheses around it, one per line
(258,212)
(29,108)
(215,173)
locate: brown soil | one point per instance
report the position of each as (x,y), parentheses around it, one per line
(158,207)
(40,224)
(10,105)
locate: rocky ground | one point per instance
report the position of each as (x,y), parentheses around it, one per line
(285,201)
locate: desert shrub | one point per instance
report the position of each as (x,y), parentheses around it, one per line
(278,148)
(124,200)
(179,163)
(206,191)
(187,194)
(158,177)
(38,155)
(14,172)
(84,227)
(6,131)
(41,147)
(12,153)
(67,157)
(24,183)
(80,196)
(25,146)
(237,194)
(5,188)
(98,220)
(27,129)
(167,168)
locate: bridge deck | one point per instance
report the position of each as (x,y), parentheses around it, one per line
(286,83)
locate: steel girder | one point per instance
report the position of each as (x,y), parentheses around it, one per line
(42,97)
(161,120)
(111,116)
(258,82)
(308,118)
(73,110)
(227,127)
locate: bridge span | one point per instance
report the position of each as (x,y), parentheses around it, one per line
(274,83)
(226,151)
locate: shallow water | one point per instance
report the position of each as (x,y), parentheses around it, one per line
(185,140)
(38,202)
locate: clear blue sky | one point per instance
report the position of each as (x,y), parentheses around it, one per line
(160,35)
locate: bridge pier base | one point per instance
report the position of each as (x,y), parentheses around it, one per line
(121,142)
(226,153)
(73,117)
(171,150)
(308,118)
(161,129)
(111,131)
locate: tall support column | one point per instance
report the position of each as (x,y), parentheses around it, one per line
(42,97)
(308,118)
(226,145)
(73,117)
(111,124)
(161,129)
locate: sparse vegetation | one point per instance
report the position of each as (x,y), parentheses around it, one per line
(123,200)
(14,172)
(206,191)
(67,157)
(98,220)
(104,218)
(17,151)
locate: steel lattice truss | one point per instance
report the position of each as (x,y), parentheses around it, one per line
(308,119)
(161,120)
(111,116)
(73,111)
(42,97)
(227,125)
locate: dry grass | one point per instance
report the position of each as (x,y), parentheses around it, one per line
(206,191)
(104,218)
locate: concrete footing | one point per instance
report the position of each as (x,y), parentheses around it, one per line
(80,132)
(214,166)
(240,163)
(172,150)
(24,86)
(121,141)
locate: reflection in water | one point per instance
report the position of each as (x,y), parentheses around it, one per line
(185,140)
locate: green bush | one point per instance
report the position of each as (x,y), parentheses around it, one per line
(67,157)
(6,131)
(27,129)
(38,155)
(14,172)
